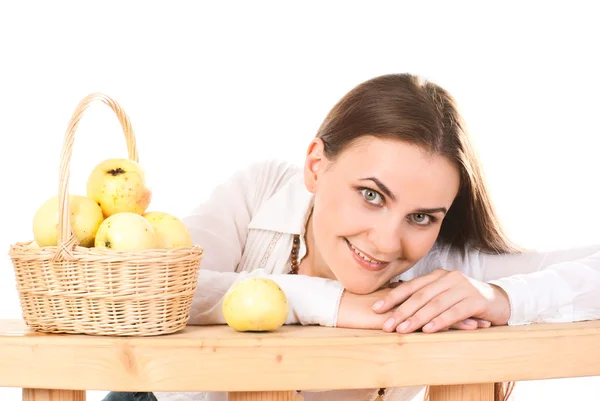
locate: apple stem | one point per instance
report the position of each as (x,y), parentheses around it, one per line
(116,171)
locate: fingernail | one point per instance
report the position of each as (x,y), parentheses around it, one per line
(428,326)
(377,305)
(404,325)
(389,323)
(470,322)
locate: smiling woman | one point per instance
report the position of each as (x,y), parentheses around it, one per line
(389,222)
(391,190)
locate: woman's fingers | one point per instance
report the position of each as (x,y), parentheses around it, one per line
(437,301)
(467,324)
(420,314)
(424,305)
(483,324)
(401,292)
(395,284)
(459,312)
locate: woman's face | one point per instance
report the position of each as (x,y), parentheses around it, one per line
(378,209)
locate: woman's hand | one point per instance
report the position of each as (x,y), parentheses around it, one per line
(440,300)
(356,311)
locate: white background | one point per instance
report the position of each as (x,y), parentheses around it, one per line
(210,88)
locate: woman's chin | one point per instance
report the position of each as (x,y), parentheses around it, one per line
(360,288)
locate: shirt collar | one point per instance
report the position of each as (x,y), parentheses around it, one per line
(287,210)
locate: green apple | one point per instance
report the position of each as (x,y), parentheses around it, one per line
(119,185)
(125,231)
(170,231)
(255,304)
(86,216)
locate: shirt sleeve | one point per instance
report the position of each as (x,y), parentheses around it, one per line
(220,227)
(552,286)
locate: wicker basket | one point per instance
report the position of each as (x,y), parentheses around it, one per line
(73,289)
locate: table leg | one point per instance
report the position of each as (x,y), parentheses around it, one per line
(262,396)
(462,392)
(39,394)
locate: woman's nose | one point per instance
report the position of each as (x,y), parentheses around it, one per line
(386,236)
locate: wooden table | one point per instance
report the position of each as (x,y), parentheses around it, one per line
(460,365)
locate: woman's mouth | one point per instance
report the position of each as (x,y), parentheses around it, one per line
(366,261)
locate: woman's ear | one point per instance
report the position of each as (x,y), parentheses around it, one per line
(314,163)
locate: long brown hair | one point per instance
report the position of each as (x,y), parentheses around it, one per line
(408,108)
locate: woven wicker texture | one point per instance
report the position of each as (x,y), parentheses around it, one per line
(72,289)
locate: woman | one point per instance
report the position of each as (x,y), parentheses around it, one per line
(391,191)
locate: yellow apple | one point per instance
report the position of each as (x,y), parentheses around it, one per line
(170,231)
(255,304)
(119,185)
(86,216)
(125,231)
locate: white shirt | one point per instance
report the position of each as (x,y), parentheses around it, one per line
(246,229)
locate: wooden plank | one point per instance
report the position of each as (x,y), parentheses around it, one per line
(462,392)
(262,396)
(217,358)
(16,331)
(37,394)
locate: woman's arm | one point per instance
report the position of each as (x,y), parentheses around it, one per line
(554,286)
(530,287)
(220,227)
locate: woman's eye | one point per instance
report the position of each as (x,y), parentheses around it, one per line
(372,196)
(421,219)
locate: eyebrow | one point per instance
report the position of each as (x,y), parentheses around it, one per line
(388,193)
(381,187)
(432,211)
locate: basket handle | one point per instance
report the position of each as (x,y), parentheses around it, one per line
(67,240)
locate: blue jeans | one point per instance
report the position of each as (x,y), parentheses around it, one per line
(126,396)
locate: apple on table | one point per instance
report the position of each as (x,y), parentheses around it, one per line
(255,304)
